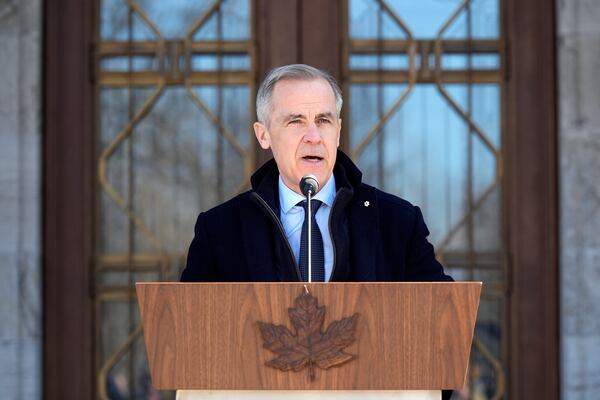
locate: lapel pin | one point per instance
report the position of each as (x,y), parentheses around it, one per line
(367,204)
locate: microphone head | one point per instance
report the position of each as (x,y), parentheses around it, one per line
(309,183)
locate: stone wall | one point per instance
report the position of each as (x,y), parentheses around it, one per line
(20,204)
(578,46)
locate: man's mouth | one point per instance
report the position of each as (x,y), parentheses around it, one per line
(312,158)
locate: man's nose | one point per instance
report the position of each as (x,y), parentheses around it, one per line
(312,135)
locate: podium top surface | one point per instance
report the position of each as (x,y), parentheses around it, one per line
(407,336)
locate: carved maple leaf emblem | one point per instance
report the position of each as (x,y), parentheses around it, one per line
(308,345)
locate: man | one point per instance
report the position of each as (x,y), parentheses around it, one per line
(362,234)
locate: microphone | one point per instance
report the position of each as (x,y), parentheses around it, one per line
(309,185)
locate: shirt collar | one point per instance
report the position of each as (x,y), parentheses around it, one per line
(288,198)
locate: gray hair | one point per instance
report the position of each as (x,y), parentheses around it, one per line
(292,72)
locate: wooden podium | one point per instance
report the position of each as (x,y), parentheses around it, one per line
(203,339)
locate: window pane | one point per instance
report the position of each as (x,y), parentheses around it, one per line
(423,18)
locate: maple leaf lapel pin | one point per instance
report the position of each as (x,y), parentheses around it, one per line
(308,345)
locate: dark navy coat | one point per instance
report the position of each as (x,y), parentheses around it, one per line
(376,236)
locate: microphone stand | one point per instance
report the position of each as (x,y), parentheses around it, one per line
(308,185)
(309,210)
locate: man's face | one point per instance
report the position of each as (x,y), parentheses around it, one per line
(303,130)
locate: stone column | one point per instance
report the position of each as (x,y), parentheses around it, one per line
(20,203)
(578,45)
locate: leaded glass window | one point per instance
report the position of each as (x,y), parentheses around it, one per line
(424,85)
(174,113)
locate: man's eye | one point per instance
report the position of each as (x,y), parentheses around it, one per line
(295,121)
(323,121)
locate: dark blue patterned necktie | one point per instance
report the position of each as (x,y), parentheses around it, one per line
(318,254)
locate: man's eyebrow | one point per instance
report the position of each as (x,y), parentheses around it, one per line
(326,115)
(292,116)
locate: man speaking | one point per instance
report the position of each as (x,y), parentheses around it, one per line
(359,233)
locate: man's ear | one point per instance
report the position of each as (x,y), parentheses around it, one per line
(262,135)
(339,132)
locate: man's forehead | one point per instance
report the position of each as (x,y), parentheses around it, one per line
(293,95)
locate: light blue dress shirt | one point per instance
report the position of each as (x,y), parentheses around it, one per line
(292,217)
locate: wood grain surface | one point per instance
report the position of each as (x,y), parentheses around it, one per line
(410,336)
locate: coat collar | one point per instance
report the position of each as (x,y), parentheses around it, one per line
(354,225)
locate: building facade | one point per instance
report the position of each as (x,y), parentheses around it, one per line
(114,113)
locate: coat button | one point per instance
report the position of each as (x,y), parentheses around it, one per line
(367,204)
